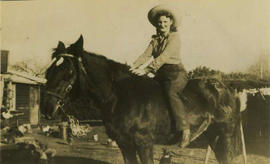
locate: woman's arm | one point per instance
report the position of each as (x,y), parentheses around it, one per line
(170,55)
(144,57)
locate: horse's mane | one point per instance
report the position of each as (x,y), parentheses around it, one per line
(119,69)
(114,64)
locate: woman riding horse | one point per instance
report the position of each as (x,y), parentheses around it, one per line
(167,65)
(133,108)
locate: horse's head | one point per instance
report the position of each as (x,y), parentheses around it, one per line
(61,77)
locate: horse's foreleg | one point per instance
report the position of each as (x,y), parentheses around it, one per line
(129,154)
(144,146)
(146,154)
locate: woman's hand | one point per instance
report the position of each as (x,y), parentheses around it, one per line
(132,68)
(139,72)
(151,75)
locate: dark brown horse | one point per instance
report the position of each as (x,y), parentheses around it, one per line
(134,109)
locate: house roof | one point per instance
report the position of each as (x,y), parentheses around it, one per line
(18,77)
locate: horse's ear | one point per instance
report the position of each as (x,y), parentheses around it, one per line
(79,43)
(61,46)
(77,47)
(59,49)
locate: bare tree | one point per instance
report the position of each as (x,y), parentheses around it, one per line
(31,67)
(261,67)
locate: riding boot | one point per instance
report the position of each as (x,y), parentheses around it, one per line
(185,138)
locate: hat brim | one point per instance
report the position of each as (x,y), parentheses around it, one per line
(152,14)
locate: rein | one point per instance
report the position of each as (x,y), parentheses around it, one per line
(54,94)
(60,97)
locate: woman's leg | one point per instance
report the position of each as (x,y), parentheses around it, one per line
(173,88)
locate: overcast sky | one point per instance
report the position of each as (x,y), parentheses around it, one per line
(227,35)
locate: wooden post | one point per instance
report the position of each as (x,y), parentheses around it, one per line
(207,155)
(243,143)
(1,90)
(34,98)
(209,150)
(10,96)
(4,61)
(63,130)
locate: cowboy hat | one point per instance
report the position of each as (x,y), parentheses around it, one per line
(159,10)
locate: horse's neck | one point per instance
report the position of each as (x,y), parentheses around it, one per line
(99,83)
(119,71)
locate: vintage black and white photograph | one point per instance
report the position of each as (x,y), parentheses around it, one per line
(135,81)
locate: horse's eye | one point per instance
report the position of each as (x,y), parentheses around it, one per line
(68,74)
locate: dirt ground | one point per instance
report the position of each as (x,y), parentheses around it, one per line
(87,151)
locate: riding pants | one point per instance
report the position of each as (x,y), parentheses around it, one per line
(173,80)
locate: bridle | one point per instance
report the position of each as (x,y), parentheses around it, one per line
(61,97)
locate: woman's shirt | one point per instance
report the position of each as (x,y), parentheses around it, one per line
(165,50)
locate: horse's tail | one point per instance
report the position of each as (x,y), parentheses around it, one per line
(225,134)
